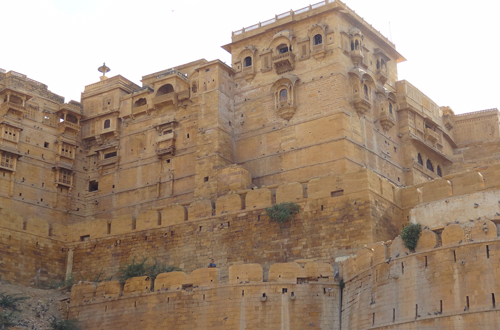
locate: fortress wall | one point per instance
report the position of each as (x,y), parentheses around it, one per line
(198,301)
(486,178)
(189,236)
(450,282)
(28,255)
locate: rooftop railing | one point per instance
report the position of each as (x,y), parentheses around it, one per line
(305,10)
(172,72)
(477,112)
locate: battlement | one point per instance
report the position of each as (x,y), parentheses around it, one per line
(451,273)
(312,195)
(16,80)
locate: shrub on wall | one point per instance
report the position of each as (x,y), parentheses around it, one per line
(144,269)
(59,324)
(410,235)
(282,212)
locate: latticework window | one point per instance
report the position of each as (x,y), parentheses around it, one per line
(65,176)
(7,160)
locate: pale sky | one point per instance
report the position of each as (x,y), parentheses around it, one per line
(451,47)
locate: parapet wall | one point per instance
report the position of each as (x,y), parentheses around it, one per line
(294,297)
(337,216)
(450,282)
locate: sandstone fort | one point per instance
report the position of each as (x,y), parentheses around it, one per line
(182,167)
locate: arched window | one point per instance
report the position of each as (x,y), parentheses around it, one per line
(247,62)
(438,170)
(165,89)
(378,64)
(140,102)
(420,161)
(283,95)
(352,45)
(365,89)
(356,45)
(283,49)
(429,166)
(318,39)
(390,108)
(107,123)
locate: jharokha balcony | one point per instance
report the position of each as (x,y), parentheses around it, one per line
(13,108)
(284,62)
(387,120)
(165,99)
(361,104)
(431,136)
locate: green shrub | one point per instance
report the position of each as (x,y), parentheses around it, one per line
(8,301)
(65,284)
(143,269)
(60,324)
(7,319)
(282,212)
(410,235)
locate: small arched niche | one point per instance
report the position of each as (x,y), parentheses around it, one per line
(140,102)
(165,89)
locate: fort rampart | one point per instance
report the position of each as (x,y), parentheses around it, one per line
(294,297)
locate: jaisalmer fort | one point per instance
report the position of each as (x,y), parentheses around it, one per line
(181,170)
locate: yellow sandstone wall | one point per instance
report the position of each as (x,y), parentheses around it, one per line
(450,282)
(294,297)
(340,215)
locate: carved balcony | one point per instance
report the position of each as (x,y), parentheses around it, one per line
(12,108)
(382,76)
(387,121)
(68,128)
(285,110)
(361,104)
(165,145)
(165,99)
(431,136)
(248,73)
(318,51)
(108,161)
(284,62)
(357,56)
(183,95)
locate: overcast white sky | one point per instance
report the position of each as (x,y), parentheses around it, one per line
(452,47)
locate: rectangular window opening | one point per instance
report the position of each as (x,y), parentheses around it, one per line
(493,302)
(440,306)
(373,319)
(110,155)
(454,256)
(93,185)
(337,193)
(467,298)
(394,315)
(487,251)
(284,290)
(402,268)
(84,238)
(109,228)
(242,293)
(425,261)
(322,207)
(205,179)
(45,144)
(416,310)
